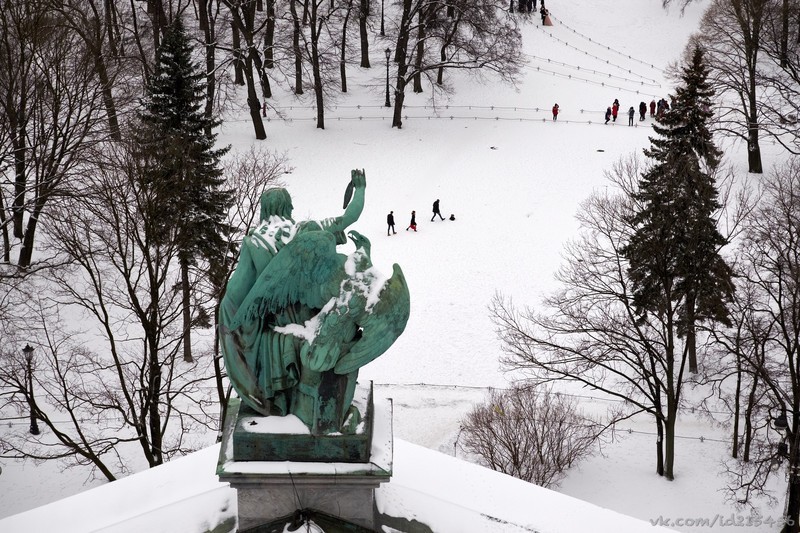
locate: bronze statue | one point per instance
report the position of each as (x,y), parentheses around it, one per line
(299,319)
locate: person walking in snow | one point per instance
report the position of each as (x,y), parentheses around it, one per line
(614,110)
(652,108)
(436,210)
(661,108)
(543,12)
(390,223)
(413,223)
(555,112)
(608,114)
(642,110)
(631,113)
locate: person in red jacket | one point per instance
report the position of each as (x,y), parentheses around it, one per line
(652,107)
(413,223)
(614,110)
(555,112)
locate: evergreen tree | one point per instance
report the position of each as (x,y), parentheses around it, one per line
(674,261)
(180,165)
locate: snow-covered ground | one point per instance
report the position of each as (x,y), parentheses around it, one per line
(514,179)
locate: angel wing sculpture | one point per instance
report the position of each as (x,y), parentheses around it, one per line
(299,319)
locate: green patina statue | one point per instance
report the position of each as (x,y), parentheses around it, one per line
(299,319)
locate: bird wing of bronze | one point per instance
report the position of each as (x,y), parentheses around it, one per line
(306,270)
(381,325)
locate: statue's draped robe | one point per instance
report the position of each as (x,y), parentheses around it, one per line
(262,364)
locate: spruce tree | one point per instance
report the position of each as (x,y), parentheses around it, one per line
(674,260)
(180,164)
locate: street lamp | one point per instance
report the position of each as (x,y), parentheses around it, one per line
(383,34)
(780,423)
(28,352)
(388,53)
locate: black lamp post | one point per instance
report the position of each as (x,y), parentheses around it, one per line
(383,34)
(28,352)
(388,53)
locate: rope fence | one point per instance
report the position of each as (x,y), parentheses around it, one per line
(649,82)
(623,54)
(25,420)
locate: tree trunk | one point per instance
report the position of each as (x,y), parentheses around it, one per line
(691,333)
(440,71)
(792,504)
(269,36)
(343,47)
(209,34)
(362,29)
(112,27)
(26,252)
(155,8)
(753,151)
(238,64)
(252,101)
(6,236)
(218,377)
(402,68)
(154,417)
(669,441)
(420,51)
(792,511)
(737,407)
(20,179)
(659,446)
(263,79)
(753,148)
(108,96)
(316,28)
(784,51)
(298,54)
(748,419)
(186,298)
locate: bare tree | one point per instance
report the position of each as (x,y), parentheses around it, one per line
(474,36)
(589,331)
(52,115)
(770,255)
(122,281)
(731,36)
(780,75)
(249,27)
(530,433)
(739,350)
(98,25)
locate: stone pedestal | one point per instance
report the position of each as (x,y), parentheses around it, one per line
(268,490)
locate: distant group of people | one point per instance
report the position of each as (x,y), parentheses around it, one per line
(657,109)
(523,6)
(413,223)
(529,6)
(660,108)
(613,111)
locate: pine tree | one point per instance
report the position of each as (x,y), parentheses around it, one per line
(180,165)
(674,259)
